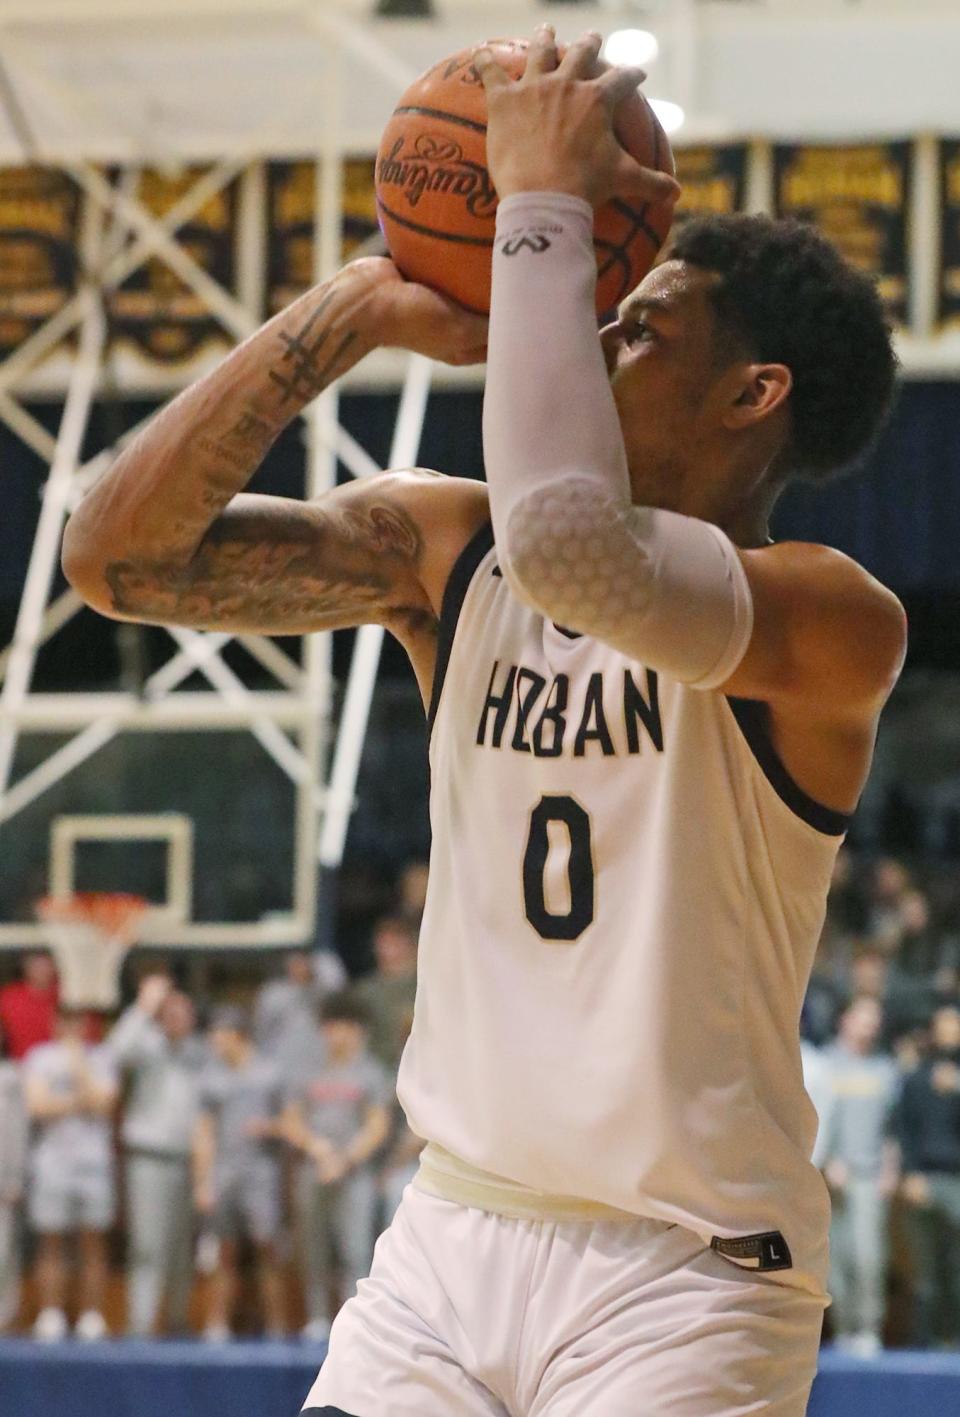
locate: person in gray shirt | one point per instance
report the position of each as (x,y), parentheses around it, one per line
(13,1164)
(285,1011)
(237,1166)
(860,1163)
(71,1090)
(339,1119)
(155,1046)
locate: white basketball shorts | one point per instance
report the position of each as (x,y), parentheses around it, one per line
(469,1314)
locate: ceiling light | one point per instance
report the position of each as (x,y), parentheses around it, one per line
(631,47)
(671,115)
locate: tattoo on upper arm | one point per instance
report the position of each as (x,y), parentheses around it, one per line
(278,570)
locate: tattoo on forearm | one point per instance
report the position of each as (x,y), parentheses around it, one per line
(245,442)
(283,572)
(308,365)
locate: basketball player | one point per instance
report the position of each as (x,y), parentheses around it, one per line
(649,728)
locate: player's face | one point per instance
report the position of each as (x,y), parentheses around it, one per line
(670,386)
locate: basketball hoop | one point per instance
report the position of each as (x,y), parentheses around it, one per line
(90,934)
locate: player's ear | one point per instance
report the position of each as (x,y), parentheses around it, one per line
(759,392)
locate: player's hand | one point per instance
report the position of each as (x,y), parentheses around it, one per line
(552,130)
(411,316)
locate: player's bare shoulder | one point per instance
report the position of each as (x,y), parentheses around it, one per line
(827,635)
(443,513)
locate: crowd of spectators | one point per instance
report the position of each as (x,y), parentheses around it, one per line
(261,1137)
(881,1052)
(268,1133)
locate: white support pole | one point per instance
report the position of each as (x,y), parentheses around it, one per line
(366,655)
(121,265)
(56,615)
(323,414)
(344,446)
(46,544)
(275,660)
(57,766)
(370,50)
(27,428)
(220,302)
(271,738)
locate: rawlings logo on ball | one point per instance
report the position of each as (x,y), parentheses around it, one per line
(437,164)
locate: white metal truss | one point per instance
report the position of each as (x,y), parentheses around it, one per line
(290,720)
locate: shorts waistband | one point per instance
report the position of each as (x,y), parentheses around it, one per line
(451,1178)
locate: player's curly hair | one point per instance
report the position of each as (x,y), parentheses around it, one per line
(789,297)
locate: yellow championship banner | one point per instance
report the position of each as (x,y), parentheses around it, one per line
(39,210)
(292,199)
(157,312)
(948,285)
(859,197)
(714,180)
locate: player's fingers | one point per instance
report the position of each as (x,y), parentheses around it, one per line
(618,84)
(542,57)
(645,183)
(580,60)
(492,76)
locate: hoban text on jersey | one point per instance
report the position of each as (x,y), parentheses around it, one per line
(566,716)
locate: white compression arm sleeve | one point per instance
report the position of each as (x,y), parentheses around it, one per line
(667,590)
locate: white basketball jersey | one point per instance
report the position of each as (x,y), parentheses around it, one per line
(626,893)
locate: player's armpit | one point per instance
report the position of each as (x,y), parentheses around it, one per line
(376,550)
(826,634)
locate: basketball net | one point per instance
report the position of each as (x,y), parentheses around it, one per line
(90,934)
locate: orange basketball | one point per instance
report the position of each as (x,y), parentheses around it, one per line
(437,205)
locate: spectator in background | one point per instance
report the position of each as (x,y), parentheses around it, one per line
(155,1045)
(339,1120)
(71,1090)
(28,1008)
(923,966)
(285,1012)
(868,975)
(826,991)
(929,1132)
(13,1162)
(388,993)
(891,880)
(412,892)
(846,904)
(402,1159)
(237,1173)
(818,1082)
(859,1162)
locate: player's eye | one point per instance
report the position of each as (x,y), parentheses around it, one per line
(638,332)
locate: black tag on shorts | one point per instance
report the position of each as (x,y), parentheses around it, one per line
(760,1252)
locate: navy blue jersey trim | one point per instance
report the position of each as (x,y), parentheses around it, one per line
(453,597)
(325,1412)
(751,716)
